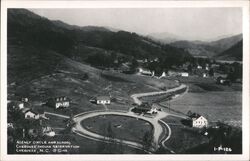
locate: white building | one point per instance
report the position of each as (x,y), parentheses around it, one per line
(199,122)
(103,100)
(10,125)
(58,102)
(184,74)
(205,75)
(28,114)
(199,67)
(145,72)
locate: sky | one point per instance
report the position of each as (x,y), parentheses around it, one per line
(187,23)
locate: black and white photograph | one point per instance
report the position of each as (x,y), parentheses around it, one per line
(125,80)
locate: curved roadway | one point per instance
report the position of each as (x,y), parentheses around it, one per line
(155,121)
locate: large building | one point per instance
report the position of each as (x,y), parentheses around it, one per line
(199,121)
(58,102)
(103,100)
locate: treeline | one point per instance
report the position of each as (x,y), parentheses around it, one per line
(27,28)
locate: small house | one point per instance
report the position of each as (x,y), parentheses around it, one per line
(184,74)
(29,114)
(16,105)
(10,125)
(173,73)
(198,121)
(103,100)
(25,99)
(163,74)
(223,81)
(145,108)
(205,75)
(145,72)
(199,67)
(58,102)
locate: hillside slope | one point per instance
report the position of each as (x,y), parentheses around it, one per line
(210,49)
(35,44)
(233,53)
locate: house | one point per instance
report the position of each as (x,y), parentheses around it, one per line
(173,73)
(207,67)
(223,81)
(163,75)
(199,67)
(10,125)
(29,114)
(15,105)
(103,100)
(58,102)
(198,121)
(145,72)
(48,131)
(184,74)
(25,99)
(145,107)
(205,75)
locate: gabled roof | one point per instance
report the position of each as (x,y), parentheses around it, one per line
(25,110)
(195,116)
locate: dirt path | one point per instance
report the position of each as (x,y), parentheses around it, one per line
(55,114)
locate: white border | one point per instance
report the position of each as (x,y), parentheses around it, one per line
(124,4)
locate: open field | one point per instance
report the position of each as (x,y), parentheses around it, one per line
(223,106)
(198,84)
(70,81)
(122,127)
(88,146)
(182,137)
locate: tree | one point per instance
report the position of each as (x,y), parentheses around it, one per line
(211,72)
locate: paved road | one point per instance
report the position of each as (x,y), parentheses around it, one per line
(158,129)
(154,121)
(138,95)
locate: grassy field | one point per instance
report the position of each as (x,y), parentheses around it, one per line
(182,137)
(68,81)
(223,106)
(122,127)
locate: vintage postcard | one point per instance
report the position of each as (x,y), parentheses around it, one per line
(122,80)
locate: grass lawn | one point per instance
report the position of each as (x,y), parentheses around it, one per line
(223,106)
(182,137)
(123,127)
(88,146)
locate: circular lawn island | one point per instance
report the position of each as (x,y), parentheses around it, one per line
(118,126)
